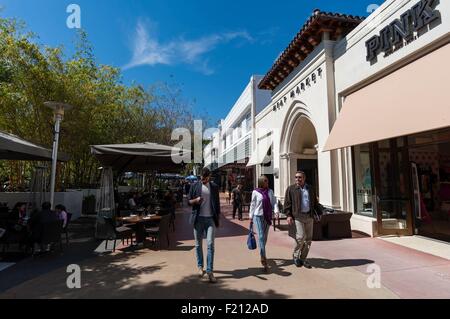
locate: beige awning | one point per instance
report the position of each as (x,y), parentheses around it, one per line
(413,99)
(259,156)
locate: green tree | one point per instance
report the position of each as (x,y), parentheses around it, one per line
(105,111)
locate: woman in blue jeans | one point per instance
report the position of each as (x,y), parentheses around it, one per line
(261,208)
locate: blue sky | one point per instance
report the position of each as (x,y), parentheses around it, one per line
(209,48)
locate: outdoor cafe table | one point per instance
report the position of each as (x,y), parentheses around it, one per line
(139,221)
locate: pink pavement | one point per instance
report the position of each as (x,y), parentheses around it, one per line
(407,272)
(341,269)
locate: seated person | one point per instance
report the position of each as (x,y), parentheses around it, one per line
(39,219)
(18,214)
(61,212)
(17,222)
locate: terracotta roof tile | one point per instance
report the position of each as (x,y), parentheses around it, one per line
(309,36)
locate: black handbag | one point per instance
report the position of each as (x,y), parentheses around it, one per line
(251,240)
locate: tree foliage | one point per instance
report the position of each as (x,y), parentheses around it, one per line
(105,111)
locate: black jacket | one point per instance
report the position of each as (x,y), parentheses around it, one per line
(43,217)
(196,191)
(38,220)
(292,202)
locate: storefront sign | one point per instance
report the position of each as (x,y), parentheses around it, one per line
(402,31)
(311,79)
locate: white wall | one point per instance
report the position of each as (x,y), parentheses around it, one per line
(317,104)
(235,123)
(85,192)
(239,109)
(262,97)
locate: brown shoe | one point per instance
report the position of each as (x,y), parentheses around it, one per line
(264,264)
(211,278)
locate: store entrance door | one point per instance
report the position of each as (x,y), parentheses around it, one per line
(310,168)
(392,193)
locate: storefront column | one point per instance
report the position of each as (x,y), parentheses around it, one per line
(347,187)
(285,172)
(328,179)
(335,180)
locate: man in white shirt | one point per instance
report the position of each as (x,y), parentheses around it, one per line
(205,202)
(300,203)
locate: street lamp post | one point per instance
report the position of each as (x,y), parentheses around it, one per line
(58,111)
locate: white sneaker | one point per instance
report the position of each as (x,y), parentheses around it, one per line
(211,278)
(201,272)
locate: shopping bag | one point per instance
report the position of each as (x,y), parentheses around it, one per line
(251,240)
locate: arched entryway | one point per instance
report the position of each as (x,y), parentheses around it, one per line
(299,147)
(302,150)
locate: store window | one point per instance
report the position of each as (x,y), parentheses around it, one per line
(363,181)
(429,155)
(243,127)
(248,122)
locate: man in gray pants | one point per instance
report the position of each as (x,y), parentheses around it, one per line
(300,205)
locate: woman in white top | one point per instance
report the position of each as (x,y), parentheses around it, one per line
(261,209)
(61,212)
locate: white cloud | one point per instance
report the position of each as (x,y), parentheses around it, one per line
(148,50)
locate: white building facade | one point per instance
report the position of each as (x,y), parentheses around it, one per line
(393,129)
(361,106)
(297,123)
(232,143)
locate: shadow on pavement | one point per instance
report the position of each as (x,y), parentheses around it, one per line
(82,246)
(330,264)
(113,276)
(276,267)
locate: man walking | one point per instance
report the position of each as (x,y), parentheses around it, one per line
(237,201)
(300,205)
(205,202)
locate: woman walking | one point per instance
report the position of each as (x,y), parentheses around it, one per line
(261,208)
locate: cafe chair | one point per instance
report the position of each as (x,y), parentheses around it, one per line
(160,232)
(115,233)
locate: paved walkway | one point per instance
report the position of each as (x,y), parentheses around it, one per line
(341,270)
(428,245)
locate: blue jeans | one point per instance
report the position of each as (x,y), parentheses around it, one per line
(202,226)
(262,228)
